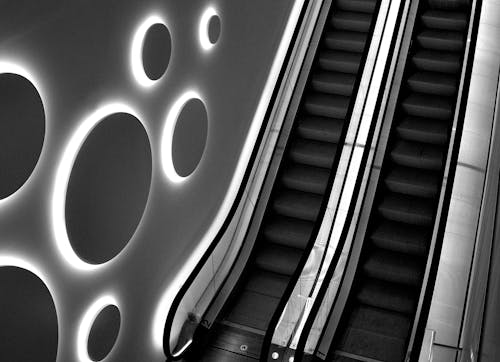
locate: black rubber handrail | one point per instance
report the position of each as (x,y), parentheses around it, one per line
(299,353)
(429,287)
(322,261)
(266,345)
(362,167)
(227,221)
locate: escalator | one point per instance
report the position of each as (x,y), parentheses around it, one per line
(300,193)
(382,303)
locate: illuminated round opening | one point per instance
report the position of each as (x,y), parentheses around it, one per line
(108,188)
(22,131)
(156,51)
(104,332)
(210,28)
(214,28)
(150,51)
(184,137)
(28,318)
(190,137)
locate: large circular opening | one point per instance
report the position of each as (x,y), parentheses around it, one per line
(103,333)
(22,131)
(108,188)
(190,137)
(156,51)
(28,318)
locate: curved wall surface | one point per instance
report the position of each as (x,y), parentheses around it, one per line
(85,59)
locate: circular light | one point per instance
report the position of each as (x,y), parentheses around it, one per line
(108,188)
(104,332)
(275,355)
(190,137)
(156,51)
(22,128)
(62,176)
(27,313)
(87,322)
(178,164)
(209,29)
(152,42)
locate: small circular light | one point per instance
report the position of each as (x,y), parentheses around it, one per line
(275,355)
(143,43)
(86,324)
(178,164)
(210,28)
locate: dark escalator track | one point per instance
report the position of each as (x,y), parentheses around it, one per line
(381,307)
(302,186)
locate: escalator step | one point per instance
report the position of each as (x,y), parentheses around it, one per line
(225,345)
(427,106)
(375,333)
(306,178)
(412,182)
(288,231)
(313,153)
(349,41)
(379,321)
(267,283)
(393,267)
(433,83)
(450,41)
(407,209)
(300,205)
(363,6)
(374,346)
(333,83)
(401,238)
(338,61)
(327,105)
(320,128)
(253,310)
(423,130)
(352,21)
(389,296)
(437,61)
(445,20)
(419,155)
(278,259)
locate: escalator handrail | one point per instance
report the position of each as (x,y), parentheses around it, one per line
(326,247)
(440,223)
(236,203)
(266,345)
(350,213)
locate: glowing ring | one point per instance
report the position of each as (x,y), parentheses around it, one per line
(86,323)
(137,65)
(9,67)
(62,178)
(168,134)
(205,42)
